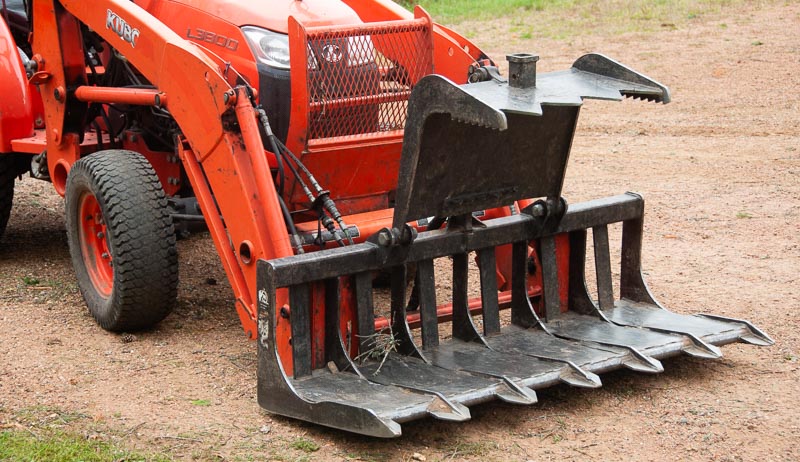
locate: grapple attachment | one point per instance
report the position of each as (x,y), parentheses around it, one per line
(482,146)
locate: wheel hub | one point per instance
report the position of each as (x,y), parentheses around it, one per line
(95,246)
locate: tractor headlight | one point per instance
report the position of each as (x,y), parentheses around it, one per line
(270,48)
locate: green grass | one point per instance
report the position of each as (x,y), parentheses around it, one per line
(58,446)
(564,18)
(458,10)
(30,281)
(473,448)
(305,445)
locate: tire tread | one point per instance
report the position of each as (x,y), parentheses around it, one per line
(142,240)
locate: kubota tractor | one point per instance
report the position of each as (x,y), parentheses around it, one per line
(323,142)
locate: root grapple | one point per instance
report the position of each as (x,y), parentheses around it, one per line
(459,142)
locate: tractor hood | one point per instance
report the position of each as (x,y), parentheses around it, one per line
(273,14)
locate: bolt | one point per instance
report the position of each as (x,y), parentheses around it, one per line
(229,97)
(385,238)
(104,256)
(58,94)
(538,210)
(100,235)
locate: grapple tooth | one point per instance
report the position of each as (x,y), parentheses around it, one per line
(443,409)
(750,333)
(701,349)
(639,362)
(518,394)
(577,377)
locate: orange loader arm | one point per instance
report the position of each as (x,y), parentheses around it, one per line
(227,167)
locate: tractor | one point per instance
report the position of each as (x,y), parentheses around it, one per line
(328,146)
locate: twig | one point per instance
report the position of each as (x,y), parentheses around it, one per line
(182,438)
(382,345)
(134,429)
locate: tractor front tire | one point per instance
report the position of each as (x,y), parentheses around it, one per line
(121,240)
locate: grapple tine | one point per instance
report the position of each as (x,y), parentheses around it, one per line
(335,349)
(463,327)
(642,363)
(400,328)
(300,300)
(521,313)
(365,310)
(701,349)
(427,304)
(487,266)
(639,308)
(519,394)
(602,261)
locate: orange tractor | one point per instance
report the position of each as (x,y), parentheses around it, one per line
(322,143)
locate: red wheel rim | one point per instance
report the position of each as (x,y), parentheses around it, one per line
(94,245)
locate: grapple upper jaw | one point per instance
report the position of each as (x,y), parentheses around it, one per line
(487,144)
(636,85)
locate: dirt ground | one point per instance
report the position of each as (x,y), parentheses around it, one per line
(720,169)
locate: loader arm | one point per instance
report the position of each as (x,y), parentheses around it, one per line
(227,167)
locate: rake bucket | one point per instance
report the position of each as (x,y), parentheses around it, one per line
(469,148)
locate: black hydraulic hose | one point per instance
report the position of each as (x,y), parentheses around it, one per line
(323,218)
(99,135)
(322,202)
(323,196)
(287,217)
(262,115)
(319,202)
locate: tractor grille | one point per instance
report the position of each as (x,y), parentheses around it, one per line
(360,78)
